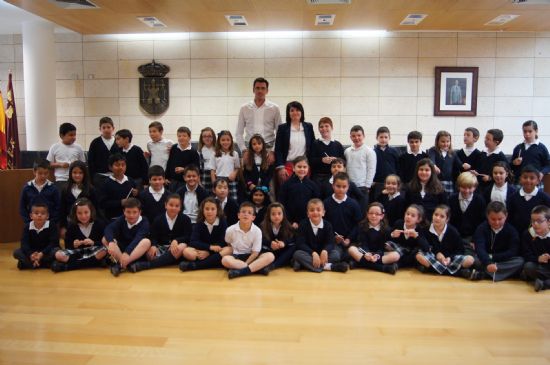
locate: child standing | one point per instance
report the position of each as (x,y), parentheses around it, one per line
(229,206)
(153,198)
(158,148)
(497,246)
(191,193)
(126,237)
(101,148)
(371,250)
(492,155)
(470,155)
(117,188)
(277,236)
(39,189)
(207,245)
(387,161)
(136,165)
(323,151)
(425,188)
(227,163)
(408,160)
(245,239)
(447,164)
(502,186)
(257,169)
(83,246)
(207,152)
(315,242)
(531,151)
(467,207)
(447,248)
(361,160)
(61,154)
(536,248)
(392,200)
(408,238)
(39,241)
(181,155)
(297,191)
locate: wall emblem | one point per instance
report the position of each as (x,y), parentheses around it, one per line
(154,95)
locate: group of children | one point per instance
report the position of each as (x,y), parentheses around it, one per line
(199,208)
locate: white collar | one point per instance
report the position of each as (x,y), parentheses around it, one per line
(331,180)
(125,150)
(211,226)
(527,145)
(130,226)
(154,192)
(439,236)
(460,197)
(502,188)
(33,183)
(534,235)
(383,148)
(184,149)
(162,140)
(189,190)
(292,129)
(339,201)
(320,226)
(110,140)
(222,202)
(420,150)
(124,179)
(376,228)
(170,220)
(391,197)
(533,193)
(468,150)
(357,148)
(326,141)
(496,151)
(496,231)
(33,227)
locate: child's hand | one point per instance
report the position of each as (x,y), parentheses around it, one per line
(135,192)
(282,174)
(201,255)
(485,178)
(112,248)
(251,187)
(466,166)
(347,241)
(215,248)
(338,238)
(169,146)
(437,170)
(174,248)
(65,165)
(295,225)
(410,233)
(396,233)
(517,161)
(87,242)
(232,176)
(152,253)
(275,245)
(77,243)
(146,154)
(270,158)
(385,192)
(368,257)
(179,170)
(324,257)
(316,260)
(492,268)
(327,160)
(124,260)
(543,259)
(280,243)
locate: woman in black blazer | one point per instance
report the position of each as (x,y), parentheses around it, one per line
(303,137)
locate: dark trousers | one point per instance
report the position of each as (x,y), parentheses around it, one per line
(507,268)
(534,271)
(306,260)
(283,257)
(26,263)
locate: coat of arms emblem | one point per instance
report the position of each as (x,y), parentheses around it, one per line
(154,95)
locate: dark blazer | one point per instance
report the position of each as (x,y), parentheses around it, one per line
(74,233)
(467,222)
(282,141)
(307,241)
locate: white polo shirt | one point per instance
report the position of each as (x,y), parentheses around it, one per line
(244,242)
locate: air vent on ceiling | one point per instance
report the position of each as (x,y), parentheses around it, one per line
(413,19)
(326,19)
(502,19)
(74,4)
(328,2)
(151,21)
(236,20)
(531,2)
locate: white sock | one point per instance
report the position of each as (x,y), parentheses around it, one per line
(328,266)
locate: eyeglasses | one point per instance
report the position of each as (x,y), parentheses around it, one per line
(539,221)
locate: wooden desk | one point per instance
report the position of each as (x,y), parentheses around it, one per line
(11,184)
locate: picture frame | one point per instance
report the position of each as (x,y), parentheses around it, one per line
(456,91)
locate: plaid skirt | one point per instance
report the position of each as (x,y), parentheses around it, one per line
(454,266)
(448,186)
(206,180)
(84,252)
(234,190)
(402,251)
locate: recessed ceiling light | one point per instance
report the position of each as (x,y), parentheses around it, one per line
(236,20)
(324,19)
(413,19)
(502,19)
(328,2)
(151,22)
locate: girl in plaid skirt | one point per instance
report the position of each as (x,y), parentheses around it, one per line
(447,164)
(407,237)
(83,246)
(227,163)
(207,150)
(447,249)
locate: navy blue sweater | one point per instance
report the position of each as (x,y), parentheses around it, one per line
(201,239)
(307,241)
(257,175)
(419,242)
(450,246)
(407,165)
(267,237)
(74,233)
(46,241)
(472,160)
(450,165)
(179,158)
(294,195)
(491,247)
(319,150)
(533,247)
(374,241)
(486,163)
(536,155)
(48,195)
(151,208)
(136,164)
(467,222)
(98,156)
(68,200)
(429,202)
(394,209)
(231,210)
(511,190)
(520,209)
(344,217)
(127,238)
(353,192)
(387,162)
(161,234)
(111,196)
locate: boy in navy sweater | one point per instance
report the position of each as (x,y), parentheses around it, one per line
(529,196)
(488,158)
(117,188)
(315,242)
(40,240)
(39,189)
(153,198)
(344,214)
(100,150)
(136,164)
(323,151)
(467,206)
(536,248)
(387,161)
(407,161)
(182,154)
(531,151)
(470,155)
(126,237)
(497,246)
(336,166)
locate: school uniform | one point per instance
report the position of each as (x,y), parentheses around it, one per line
(503,194)
(521,204)
(427,200)
(256,176)
(243,243)
(160,151)
(449,244)
(98,158)
(394,206)
(407,248)
(83,256)
(344,216)
(486,163)
(320,148)
(449,165)
(44,240)
(407,165)
(69,197)
(192,200)
(226,163)
(136,164)
(127,236)
(353,192)
(309,239)
(534,246)
(60,152)
(295,194)
(387,163)
(373,239)
(47,193)
(207,164)
(113,191)
(230,210)
(501,247)
(152,202)
(467,215)
(203,236)
(180,157)
(260,214)
(471,156)
(283,255)
(535,154)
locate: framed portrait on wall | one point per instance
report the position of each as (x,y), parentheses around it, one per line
(456,91)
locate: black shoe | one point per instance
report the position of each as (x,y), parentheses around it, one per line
(423,269)
(232,274)
(296,265)
(20,265)
(115,270)
(465,273)
(523,276)
(390,268)
(339,267)
(539,285)
(187,266)
(476,275)
(139,266)
(58,266)
(353,265)
(266,270)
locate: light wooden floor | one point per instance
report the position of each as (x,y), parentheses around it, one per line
(168,317)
